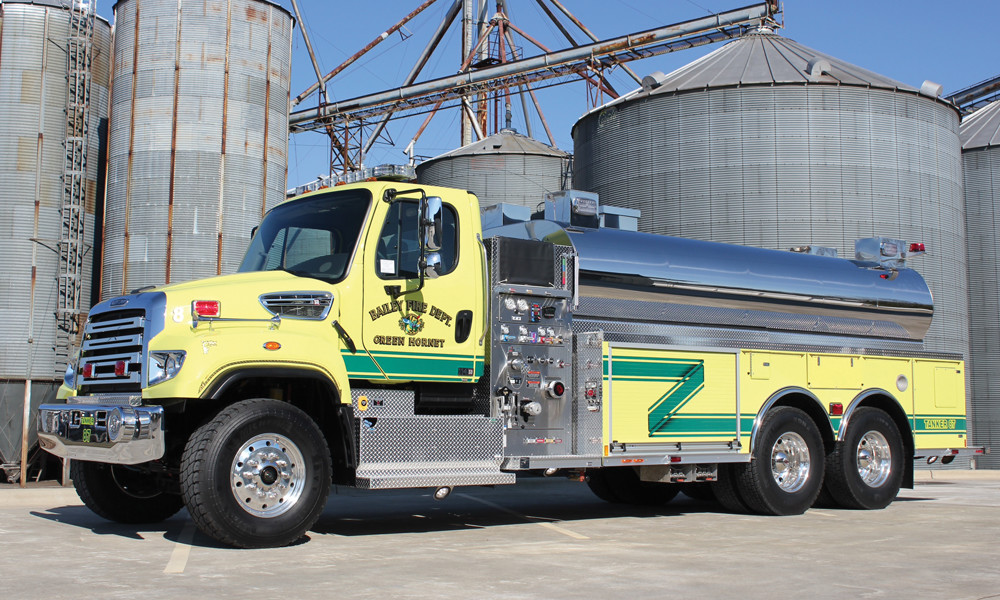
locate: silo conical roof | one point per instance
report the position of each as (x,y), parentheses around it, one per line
(764,57)
(761,58)
(981,129)
(506,141)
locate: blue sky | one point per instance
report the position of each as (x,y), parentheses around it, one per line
(954,44)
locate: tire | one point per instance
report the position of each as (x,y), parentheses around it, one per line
(699,490)
(257,475)
(865,470)
(785,473)
(621,485)
(725,491)
(122,494)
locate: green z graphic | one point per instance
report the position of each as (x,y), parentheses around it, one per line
(689,379)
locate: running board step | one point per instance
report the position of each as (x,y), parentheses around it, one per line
(415,475)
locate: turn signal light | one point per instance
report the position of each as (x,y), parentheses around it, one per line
(917,247)
(121,368)
(206,308)
(88,370)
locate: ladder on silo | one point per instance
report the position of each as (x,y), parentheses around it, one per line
(72,247)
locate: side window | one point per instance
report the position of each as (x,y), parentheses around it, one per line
(398,252)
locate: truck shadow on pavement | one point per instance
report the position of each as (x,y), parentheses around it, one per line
(355,514)
(171,529)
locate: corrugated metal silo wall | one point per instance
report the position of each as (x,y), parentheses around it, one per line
(493,178)
(199,136)
(982,194)
(33,92)
(784,165)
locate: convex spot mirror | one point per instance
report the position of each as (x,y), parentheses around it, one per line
(432,265)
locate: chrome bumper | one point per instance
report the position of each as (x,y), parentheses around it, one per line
(102,432)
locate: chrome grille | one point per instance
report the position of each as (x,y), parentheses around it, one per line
(113,342)
(298,305)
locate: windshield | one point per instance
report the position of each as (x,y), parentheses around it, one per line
(312,238)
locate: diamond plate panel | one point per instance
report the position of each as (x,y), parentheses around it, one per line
(424,451)
(588,376)
(382,402)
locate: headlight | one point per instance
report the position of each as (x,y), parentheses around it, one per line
(164,365)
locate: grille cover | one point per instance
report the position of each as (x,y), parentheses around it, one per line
(298,305)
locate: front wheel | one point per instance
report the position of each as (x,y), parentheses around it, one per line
(257,475)
(785,473)
(865,471)
(123,494)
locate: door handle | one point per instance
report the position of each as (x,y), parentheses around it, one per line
(463,325)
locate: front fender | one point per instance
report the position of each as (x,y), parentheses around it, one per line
(217,355)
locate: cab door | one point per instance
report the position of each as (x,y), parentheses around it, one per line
(428,333)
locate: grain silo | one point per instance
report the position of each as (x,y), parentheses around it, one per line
(504,167)
(981,165)
(768,143)
(42,295)
(198,138)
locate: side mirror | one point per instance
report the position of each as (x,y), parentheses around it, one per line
(432,265)
(253,231)
(431,225)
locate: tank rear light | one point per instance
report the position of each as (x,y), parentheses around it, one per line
(88,370)
(206,308)
(917,247)
(121,368)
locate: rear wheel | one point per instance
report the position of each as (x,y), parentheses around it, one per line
(785,474)
(621,485)
(257,475)
(865,470)
(725,491)
(123,493)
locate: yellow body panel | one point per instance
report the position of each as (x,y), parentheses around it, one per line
(666,396)
(214,350)
(658,395)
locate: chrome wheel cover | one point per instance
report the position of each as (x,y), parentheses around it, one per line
(874,458)
(790,462)
(268,475)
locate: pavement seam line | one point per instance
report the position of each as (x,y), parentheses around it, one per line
(532,520)
(182,550)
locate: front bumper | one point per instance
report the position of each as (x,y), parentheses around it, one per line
(102,429)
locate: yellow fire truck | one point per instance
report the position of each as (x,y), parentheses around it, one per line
(385,335)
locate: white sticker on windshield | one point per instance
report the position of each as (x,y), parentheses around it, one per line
(387,266)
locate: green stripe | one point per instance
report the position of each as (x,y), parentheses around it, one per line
(652,370)
(941,424)
(412,366)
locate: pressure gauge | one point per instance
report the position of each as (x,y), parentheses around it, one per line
(522,304)
(509,303)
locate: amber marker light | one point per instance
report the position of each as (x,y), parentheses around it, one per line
(272,346)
